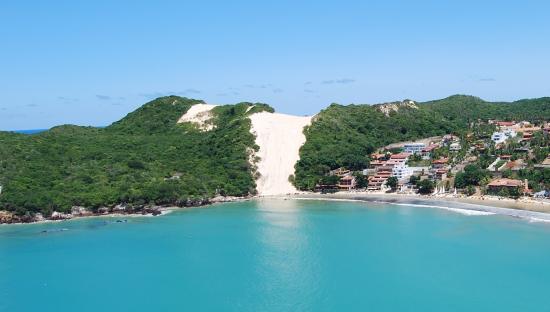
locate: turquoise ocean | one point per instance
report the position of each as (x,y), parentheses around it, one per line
(279,255)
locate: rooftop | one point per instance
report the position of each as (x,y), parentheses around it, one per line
(400,156)
(505,182)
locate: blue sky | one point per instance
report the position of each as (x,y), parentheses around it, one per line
(90,63)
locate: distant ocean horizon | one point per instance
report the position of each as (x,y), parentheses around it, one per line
(29,131)
(35,131)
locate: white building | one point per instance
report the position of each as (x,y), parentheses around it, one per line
(501,137)
(454,147)
(413,148)
(402,172)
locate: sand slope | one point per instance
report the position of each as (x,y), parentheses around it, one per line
(199,114)
(279,137)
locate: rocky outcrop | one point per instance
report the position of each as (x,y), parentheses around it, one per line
(79,211)
(7,217)
(387,108)
(60,216)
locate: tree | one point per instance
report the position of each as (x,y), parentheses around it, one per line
(470,190)
(426,187)
(361,180)
(472,175)
(392,182)
(329,180)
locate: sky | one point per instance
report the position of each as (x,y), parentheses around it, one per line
(92,62)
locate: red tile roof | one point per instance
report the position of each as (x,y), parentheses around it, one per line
(440,161)
(505,123)
(429,148)
(506,182)
(400,156)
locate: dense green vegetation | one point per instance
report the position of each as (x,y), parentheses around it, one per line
(346,135)
(472,175)
(145,158)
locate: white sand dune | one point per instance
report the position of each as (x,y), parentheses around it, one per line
(279,137)
(199,114)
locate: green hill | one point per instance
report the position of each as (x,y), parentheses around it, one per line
(145,158)
(346,135)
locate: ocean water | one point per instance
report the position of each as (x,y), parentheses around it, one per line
(31,131)
(279,255)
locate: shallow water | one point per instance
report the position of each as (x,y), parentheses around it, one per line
(279,255)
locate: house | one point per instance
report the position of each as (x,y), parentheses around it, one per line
(505,123)
(340,172)
(454,147)
(439,168)
(347,182)
(377,156)
(448,138)
(480,146)
(440,163)
(427,151)
(377,163)
(528,132)
(414,148)
(499,184)
(400,157)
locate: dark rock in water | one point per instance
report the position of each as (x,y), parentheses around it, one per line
(55,230)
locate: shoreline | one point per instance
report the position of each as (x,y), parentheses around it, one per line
(150,211)
(533,210)
(521,208)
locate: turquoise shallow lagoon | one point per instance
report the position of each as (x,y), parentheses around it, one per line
(279,255)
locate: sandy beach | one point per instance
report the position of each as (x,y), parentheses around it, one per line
(535,210)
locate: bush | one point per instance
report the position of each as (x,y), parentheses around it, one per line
(426,187)
(392,182)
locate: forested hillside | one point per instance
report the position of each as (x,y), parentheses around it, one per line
(346,135)
(145,158)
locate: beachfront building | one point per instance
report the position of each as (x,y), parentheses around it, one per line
(510,185)
(380,170)
(347,183)
(378,180)
(413,148)
(402,172)
(439,169)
